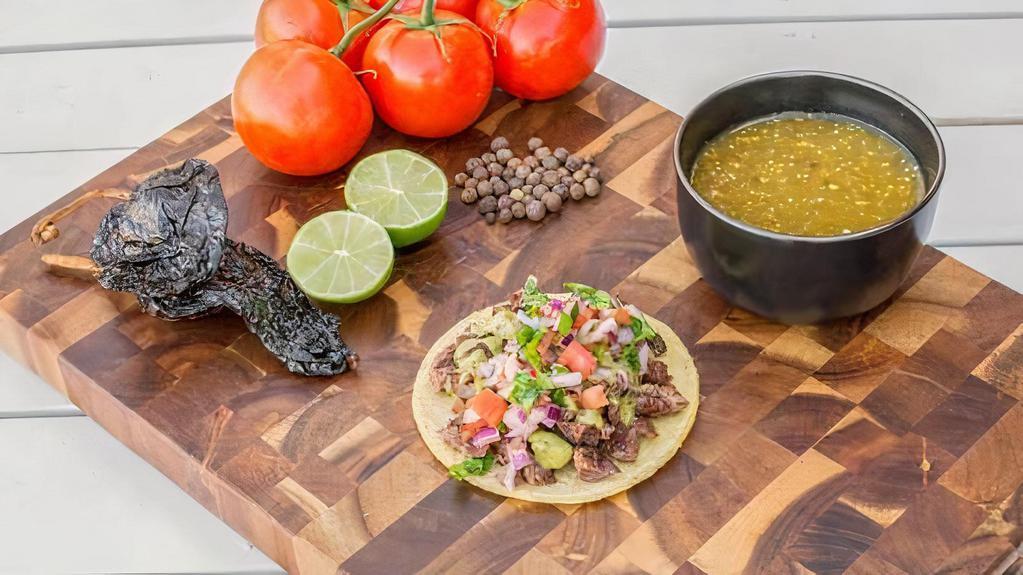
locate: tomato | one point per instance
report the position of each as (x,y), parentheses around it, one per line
(578,358)
(545,48)
(489,406)
(315,21)
(319,22)
(423,89)
(299,109)
(593,397)
(466,8)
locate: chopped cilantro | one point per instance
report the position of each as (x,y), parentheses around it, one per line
(641,329)
(524,335)
(528,389)
(630,355)
(472,466)
(532,298)
(597,298)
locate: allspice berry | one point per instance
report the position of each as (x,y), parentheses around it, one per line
(504,202)
(534,144)
(577,191)
(491,217)
(469,195)
(522,172)
(480,173)
(550,162)
(579,176)
(536,211)
(561,190)
(460,178)
(518,210)
(489,157)
(550,179)
(505,215)
(540,190)
(533,178)
(561,154)
(517,194)
(473,163)
(499,143)
(552,201)
(542,153)
(484,188)
(573,162)
(504,155)
(592,187)
(488,204)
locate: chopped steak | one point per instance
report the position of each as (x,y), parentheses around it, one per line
(515,299)
(443,370)
(454,439)
(656,400)
(592,465)
(534,474)
(644,427)
(657,373)
(618,387)
(580,433)
(623,444)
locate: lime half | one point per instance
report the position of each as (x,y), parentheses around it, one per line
(341,257)
(403,191)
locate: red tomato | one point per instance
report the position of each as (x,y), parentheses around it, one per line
(299,109)
(315,21)
(422,89)
(593,397)
(545,48)
(466,8)
(489,406)
(578,358)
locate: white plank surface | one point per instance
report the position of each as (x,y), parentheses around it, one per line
(623,13)
(33,25)
(953,69)
(109,98)
(981,200)
(74,500)
(62,100)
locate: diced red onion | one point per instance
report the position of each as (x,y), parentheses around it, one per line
(485,436)
(625,335)
(509,476)
(584,330)
(570,379)
(599,332)
(470,416)
(644,357)
(514,417)
(568,340)
(532,322)
(557,305)
(486,369)
(520,458)
(552,416)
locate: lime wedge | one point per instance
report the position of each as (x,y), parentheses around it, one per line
(341,257)
(403,191)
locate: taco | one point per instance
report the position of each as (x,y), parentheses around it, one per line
(556,398)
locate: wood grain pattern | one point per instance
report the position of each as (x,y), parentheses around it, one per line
(883,443)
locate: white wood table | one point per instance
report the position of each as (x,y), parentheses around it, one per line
(83,84)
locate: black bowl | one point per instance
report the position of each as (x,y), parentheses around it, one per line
(797,279)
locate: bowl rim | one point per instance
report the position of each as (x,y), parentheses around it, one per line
(869,232)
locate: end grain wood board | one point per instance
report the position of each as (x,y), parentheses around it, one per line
(887,443)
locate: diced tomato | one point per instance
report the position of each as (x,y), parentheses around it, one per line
(622,316)
(489,406)
(578,358)
(593,397)
(583,317)
(469,429)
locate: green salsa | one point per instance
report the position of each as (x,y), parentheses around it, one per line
(808,175)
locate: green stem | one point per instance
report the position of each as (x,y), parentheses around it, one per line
(361,27)
(426,16)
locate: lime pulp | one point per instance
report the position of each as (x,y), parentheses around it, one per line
(403,191)
(341,257)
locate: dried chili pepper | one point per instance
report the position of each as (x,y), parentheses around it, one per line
(167,244)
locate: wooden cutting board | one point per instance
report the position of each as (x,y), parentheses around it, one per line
(889,442)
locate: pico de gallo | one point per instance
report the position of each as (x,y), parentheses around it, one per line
(549,381)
